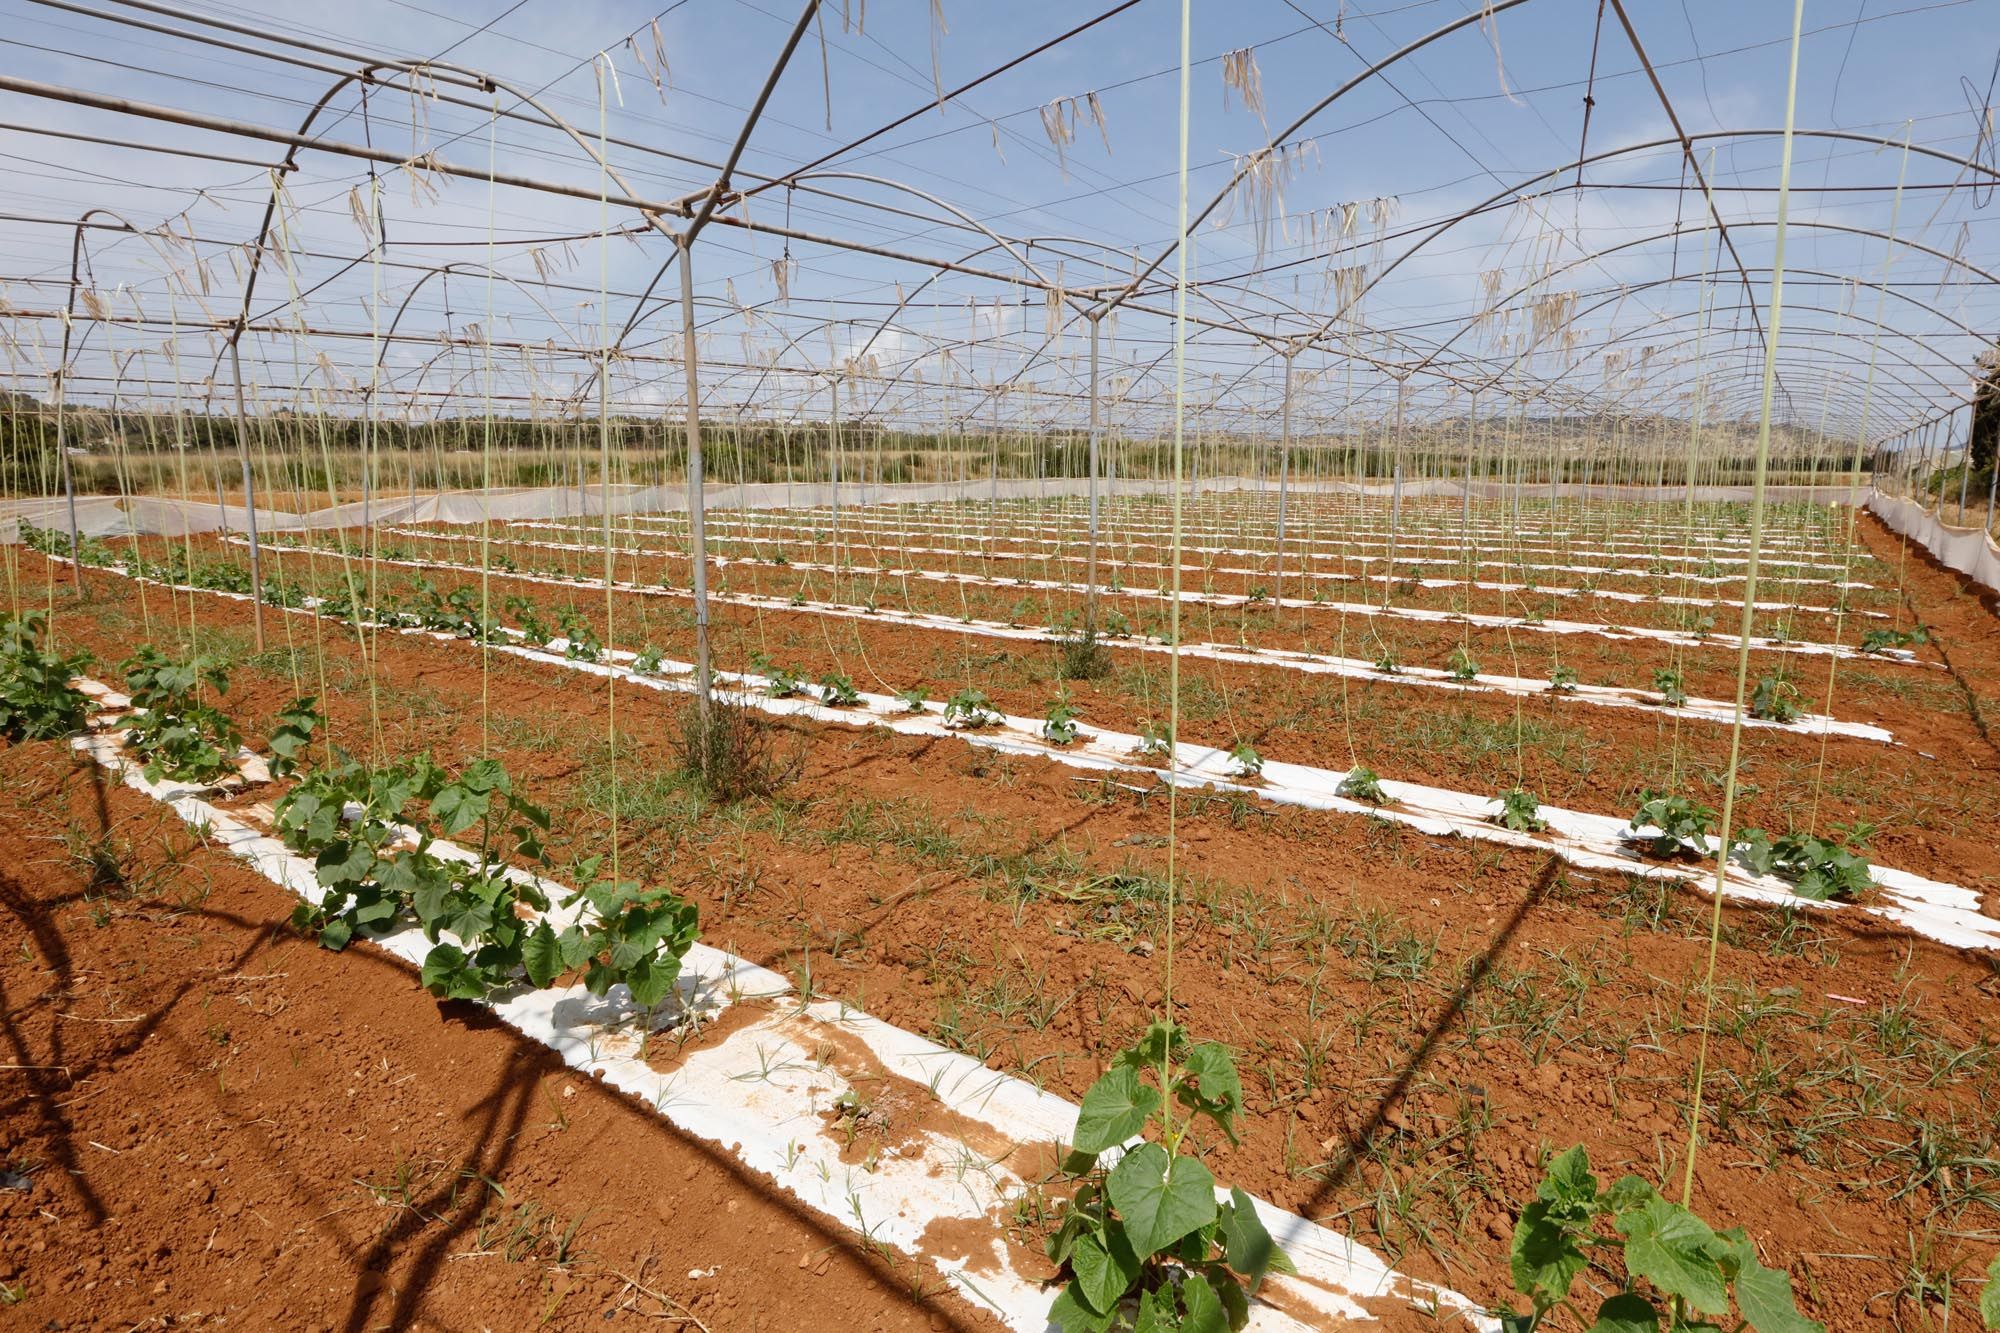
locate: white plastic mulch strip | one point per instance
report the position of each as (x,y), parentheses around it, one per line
(1354,668)
(963,1142)
(1677,638)
(1406,556)
(987,552)
(1947,913)
(1609,696)
(1144,534)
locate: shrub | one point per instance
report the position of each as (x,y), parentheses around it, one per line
(733,754)
(1081,657)
(37,701)
(1144,1244)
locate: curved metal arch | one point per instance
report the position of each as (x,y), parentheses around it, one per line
(1677,232)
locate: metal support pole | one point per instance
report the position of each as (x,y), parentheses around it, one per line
(833,471)
(1284,472)
(249,497)
(1090,566)
(68,481)
(697,530)
(1964,472)
(1395,495)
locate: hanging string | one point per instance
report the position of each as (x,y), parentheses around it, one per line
(1757,496)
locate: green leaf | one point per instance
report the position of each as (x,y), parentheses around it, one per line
(1211,1085)
(1249,1247)
(1160,1198)
(1235,1303)
(1158,1312)
(335,934)
(1765,1296)
(1105,1268)
(443,968)
(1070,1314)
(458,807)
(1628,1312)
(1546,1257)
(1569,1181)
(1161,1042)
(1628,1193)
(1116,1107)
(542,955)
(1203,1304)
(1673,1249)
(1989,1300)
(651,979)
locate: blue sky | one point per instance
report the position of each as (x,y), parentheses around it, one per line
(1476,116)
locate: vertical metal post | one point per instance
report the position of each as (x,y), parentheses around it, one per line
(68,482)
(697,517)
(1090,565)
(1964,472)
(249,494)
(1465,500)
(1284,471)
(1395,494)
(833,471)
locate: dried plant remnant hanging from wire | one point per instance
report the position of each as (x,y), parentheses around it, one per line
(1060,120)
(1261,178)
(1240,74)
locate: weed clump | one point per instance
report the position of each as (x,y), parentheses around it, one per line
(733,754)
(1081,657)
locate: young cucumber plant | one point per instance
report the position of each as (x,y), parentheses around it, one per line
(37,701)
(1249,764)
(1362,784)
(1144,1244)
(1461,666)
(480,916)
(1673,825)
(1156,739)
(912,699)
(837,691)
(1883,640)
(1059,723)
(1671,1258)
(292,734)
(1563,680)
(1775,700)
(1822,869)
(622,933)
(1668,682)
(1519,811)
(971,709)
(178,735)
